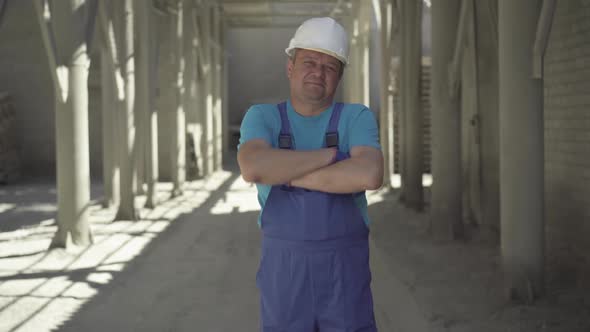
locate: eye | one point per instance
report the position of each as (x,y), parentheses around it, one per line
(332,69)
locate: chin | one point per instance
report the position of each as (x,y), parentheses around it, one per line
(316,92)
(315,97)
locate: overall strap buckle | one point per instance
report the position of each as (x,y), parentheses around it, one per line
(285,137)
(285,141)
(332,139)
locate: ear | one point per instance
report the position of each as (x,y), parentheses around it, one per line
(289,68)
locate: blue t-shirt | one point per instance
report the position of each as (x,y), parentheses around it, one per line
(357,127)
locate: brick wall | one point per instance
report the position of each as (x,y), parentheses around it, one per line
(425,101)
(567,142)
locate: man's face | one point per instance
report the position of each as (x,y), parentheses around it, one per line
(313,76)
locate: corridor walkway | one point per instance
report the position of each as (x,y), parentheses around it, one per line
(190,265)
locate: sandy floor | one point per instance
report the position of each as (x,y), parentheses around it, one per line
(189,265)
(458,285)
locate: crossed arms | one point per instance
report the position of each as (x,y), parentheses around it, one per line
(314,170)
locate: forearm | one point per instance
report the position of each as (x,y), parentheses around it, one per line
(347,176)
(275,166)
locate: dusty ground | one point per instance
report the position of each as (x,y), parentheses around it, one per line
(189,265)
(458,284)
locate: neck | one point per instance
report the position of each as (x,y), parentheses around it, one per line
(310,109)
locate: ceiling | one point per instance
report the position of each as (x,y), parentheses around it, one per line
(273,13)
(264,13)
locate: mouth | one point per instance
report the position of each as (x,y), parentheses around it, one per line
(316,84)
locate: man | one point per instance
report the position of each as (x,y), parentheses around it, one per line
(312,159)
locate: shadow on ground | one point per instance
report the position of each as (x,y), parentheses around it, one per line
(198,275)
(192,259)
(458,284)
(28,204)
(195,271)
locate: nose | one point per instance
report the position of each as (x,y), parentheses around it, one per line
(320,71)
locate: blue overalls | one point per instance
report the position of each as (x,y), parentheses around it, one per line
(314,271)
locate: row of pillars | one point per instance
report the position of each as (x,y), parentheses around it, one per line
(403,34)
(519,188)
(129,39)
(130,130)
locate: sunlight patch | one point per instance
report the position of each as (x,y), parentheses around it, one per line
(376,196)
(111,267)
(21,287)
(52,315)
(54,287)
(6,207)
(80,290)
(396,180)
(37,208)
(100,278)
(42,289)
(241,197)
(22,310)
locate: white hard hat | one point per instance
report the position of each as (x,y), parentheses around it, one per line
(321,34)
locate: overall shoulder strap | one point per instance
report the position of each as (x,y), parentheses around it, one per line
(285,138)
(332,131)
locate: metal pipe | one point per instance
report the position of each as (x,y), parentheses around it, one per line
(542,36)
(458,53)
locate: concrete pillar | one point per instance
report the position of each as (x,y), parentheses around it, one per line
(189,101)
(217,85)
(365,57)
(128,147)
(139,176)
(391,91)
(411,64)
(393,84)
(521,151)
(380,8)
(358,58)
(110,156)
(402,72)
(178,148)
(225,94)
(73,125)
(140,100)
(347,79)
(353,78)
(446,118)
(194,115)
(71,110)
(141,117)
(144,79)
(200,121)
(208,124)
(384,14)
(470,120)
(487,84)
